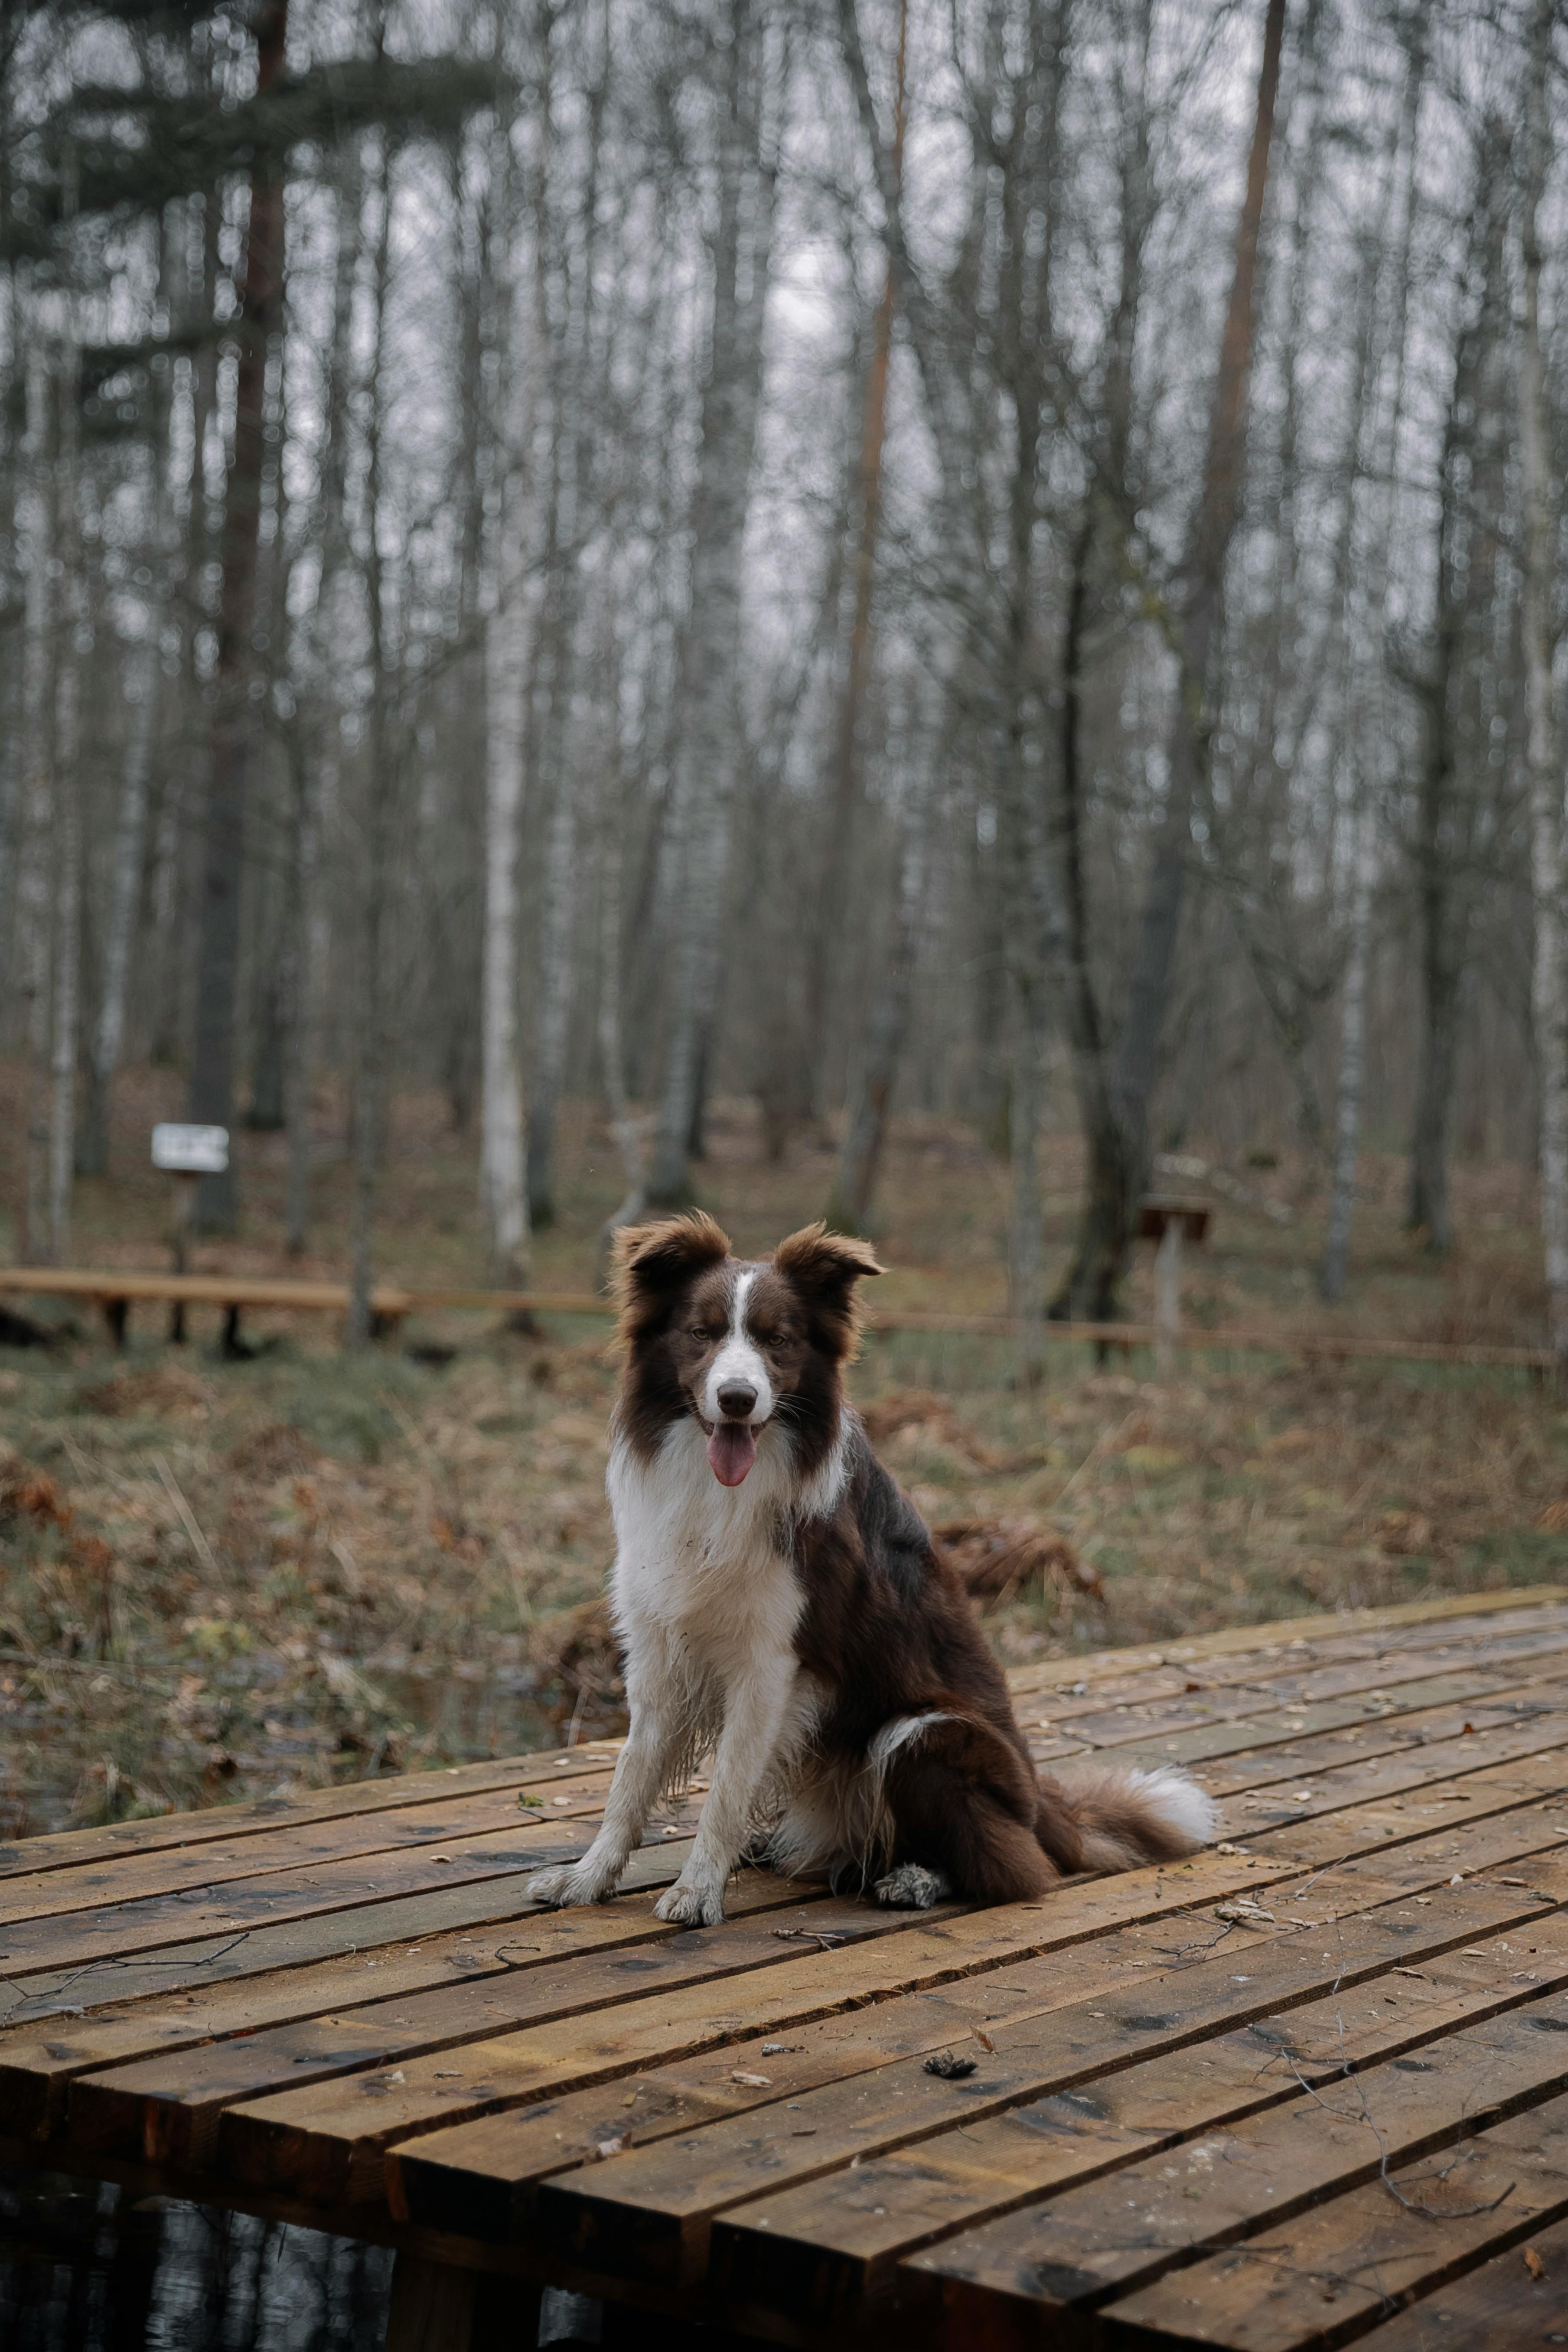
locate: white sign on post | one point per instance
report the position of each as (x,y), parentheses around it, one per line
(189,1151)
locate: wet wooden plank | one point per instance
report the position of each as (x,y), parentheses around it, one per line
(121,1928)
(490,2168)
(829,2251)
(37,2061)
(135,1878)
(1421,1808)
(1511,2304)
(337,2134)
(1256,1749)
(1415,1622)
(1075,2253)
(167,2108)
(1323,1701)
(1352,2260)
(488,2172)
(654,2208)
(1303,1756)
(62,1849)
(1403,1772)
(363,1937)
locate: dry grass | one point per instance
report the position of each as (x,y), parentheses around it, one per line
(220,1580)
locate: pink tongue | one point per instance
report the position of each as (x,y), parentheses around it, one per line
(731,1450)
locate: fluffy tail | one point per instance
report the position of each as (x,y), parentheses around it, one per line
(1119,1818)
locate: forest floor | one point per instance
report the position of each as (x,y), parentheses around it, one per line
(222,1580)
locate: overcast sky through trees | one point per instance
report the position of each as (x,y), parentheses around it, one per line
(1002,558)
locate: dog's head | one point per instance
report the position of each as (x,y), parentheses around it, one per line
(738,1345)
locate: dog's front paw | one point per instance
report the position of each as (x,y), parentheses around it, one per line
(690,1907)
(569,1884)
(911,1887)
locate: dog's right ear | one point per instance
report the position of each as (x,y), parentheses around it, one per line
(650,1262)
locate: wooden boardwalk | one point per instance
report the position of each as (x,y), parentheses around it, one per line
(1308,2088)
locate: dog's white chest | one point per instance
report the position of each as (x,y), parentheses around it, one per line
(703,1563)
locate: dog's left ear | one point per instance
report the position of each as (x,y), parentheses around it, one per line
(824,1268)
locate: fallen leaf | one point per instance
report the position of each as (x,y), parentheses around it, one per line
(1534,2263)
(984,2040)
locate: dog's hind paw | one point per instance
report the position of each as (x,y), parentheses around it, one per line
(911,1887)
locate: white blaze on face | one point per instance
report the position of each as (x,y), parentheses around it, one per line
(739,1363)
(733,1440)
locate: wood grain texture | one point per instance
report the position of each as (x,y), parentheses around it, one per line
(338,2136)
(1511,2304)
(1033,2056)
(36,2063)
(1093,2247)
(60,1849)
(1359,2256)
(1195,2092)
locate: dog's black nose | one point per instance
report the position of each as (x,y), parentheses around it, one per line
(737,1400)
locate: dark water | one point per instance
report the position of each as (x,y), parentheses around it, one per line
(87,2267)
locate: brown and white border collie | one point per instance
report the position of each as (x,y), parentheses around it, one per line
(776,1594)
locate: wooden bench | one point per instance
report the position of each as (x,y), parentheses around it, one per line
(1265,2099)
(116,1290)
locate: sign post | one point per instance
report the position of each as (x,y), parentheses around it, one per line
(189,1153)
(1169,1222)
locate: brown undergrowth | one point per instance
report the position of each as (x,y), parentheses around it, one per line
(221,1580)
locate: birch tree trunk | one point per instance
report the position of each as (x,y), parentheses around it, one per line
(237,719)
(68,809)
(844,784)
(703,785)
(315,759)
(503,1195)
(1365,600)
(625,1125)
(854,1191)
(39,706)
(571,365)
(1548,1003)
(183,784)
(1026,1266)
(1352,1053)
(125,890)
(369,1077)
(1452,780)
(131,830)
